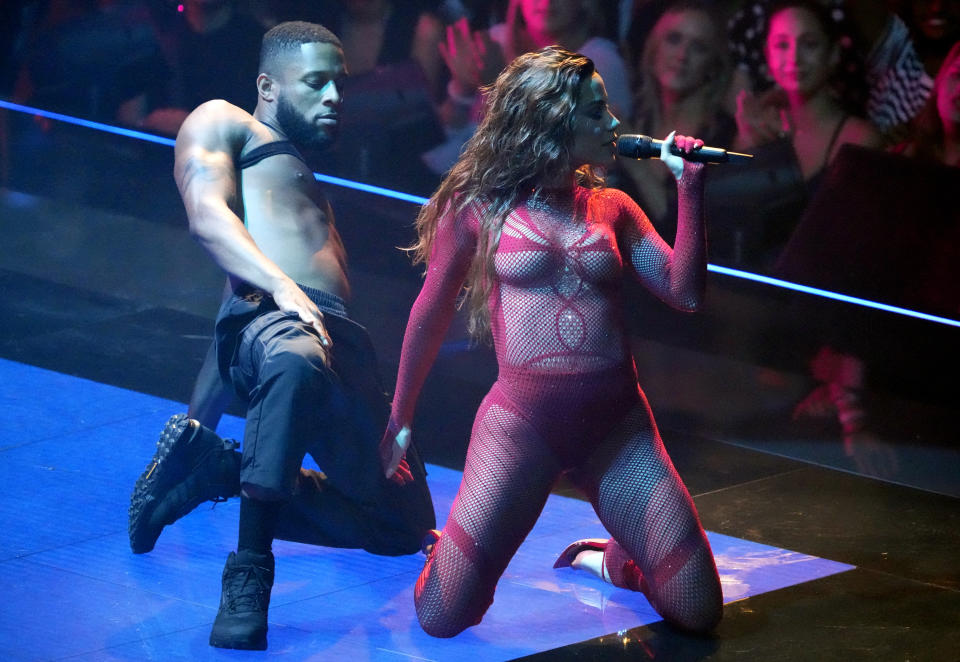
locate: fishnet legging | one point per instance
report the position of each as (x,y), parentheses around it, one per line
(633,487)
(641,501)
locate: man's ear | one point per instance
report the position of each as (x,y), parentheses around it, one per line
(266,87)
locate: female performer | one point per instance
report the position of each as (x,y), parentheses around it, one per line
(523,220)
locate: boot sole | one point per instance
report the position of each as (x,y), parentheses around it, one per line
(257,644)
(154,478)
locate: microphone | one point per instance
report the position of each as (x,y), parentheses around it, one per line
(644,147)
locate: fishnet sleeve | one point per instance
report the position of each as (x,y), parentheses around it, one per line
(676,275)
(432,312)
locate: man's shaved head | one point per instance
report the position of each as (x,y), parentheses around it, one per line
(286,38)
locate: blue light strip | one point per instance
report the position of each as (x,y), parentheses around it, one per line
(806,289)
(140,135)
(370,188)
(406,197)
(129,133)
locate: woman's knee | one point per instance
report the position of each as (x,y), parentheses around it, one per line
(696,604)
(700,617)
(441,625)
(449,598)
(448,619)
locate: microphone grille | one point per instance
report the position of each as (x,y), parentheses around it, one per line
(637,146)
(627,145)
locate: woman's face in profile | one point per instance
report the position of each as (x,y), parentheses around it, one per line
(684,52)
(800,54)
(594,126)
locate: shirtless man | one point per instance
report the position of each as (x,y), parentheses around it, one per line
(284,343)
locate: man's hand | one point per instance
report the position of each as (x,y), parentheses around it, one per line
(393,447)
(291,299)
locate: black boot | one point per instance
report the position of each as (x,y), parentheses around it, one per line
(191,465)
(244,599)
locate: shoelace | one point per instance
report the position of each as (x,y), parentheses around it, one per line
(238,597)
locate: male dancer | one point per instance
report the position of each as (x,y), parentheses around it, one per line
(284,343)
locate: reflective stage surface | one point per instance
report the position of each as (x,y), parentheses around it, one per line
(67,550)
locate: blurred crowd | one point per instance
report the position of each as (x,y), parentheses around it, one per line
(811,88)
(791,82)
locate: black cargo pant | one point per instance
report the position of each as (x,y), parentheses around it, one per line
(336,411)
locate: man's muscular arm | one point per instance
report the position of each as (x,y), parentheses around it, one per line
(207,147)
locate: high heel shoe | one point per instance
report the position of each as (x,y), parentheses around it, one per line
(617,567)
(570,553)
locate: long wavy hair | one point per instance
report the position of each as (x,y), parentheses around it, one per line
(521,147)
(647,97)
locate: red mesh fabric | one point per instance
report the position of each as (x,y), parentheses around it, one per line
(506,480)
(557,304)
(642,502)
(566,398)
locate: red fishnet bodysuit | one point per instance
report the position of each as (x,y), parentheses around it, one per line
(566,400)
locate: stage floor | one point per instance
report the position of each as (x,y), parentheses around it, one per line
(66,553)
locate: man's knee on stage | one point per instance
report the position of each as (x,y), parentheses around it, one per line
(261,493)
(269,471)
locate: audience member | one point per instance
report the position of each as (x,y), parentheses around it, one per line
(578,25)
(878,61)
(683,71)
(934,25)
(795,128)
(269,13)
(475,57)
(213,51)
(87,58)
(802,53)
(937,127)
(380,32)
(15,16)
(803,110)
